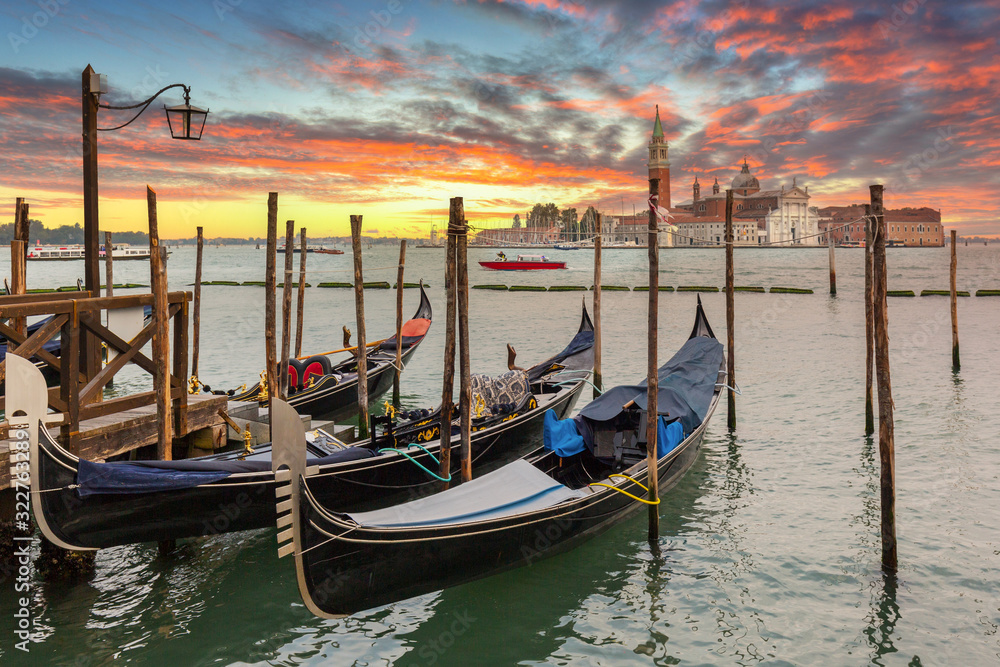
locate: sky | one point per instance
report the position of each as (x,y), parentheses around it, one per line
(388,108)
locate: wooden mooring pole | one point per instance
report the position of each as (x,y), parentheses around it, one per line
(286,307)
(869,321)
(270,285)
(730,315)
(955,361)
(598,377)
(109,271)
(399,323)
(18,283)
(19,260)
(652,388)
(886,444)
(456,213)
(359,309)
(833,264)
(196,324)
(464,371)
(301,304)
(161,338)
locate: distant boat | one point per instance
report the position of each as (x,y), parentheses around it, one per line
(522,263)
(567,247)
(119,251)
(321,251)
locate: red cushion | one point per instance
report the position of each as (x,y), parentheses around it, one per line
(415,327)
(293,377)
(315,368)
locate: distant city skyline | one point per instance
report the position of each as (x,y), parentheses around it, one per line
(388,108)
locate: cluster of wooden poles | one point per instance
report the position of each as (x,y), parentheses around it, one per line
(457,309)
(276,375)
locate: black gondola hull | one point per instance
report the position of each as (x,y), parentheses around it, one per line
(246,501)
(352,569)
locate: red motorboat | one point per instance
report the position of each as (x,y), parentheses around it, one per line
(522,263)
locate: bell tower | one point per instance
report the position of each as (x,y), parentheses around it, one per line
(659,161)
(697,190)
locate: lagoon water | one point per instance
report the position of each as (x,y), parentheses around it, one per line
(769,548)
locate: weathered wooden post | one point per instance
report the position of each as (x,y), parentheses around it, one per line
(652,381)
(286,308)
(464,373)
(869,321)
(359,307)
(18,261)
(730,315)
(18,284)
(161,337)
(109,271)
(886,444)
(955,361)
(301,305)
(399,323)
(456,214)
(833,263)
(270,342)
(196,326)
(598,377)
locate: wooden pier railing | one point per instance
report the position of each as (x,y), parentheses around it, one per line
(79,397)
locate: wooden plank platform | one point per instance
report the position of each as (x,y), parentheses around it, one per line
(104,437)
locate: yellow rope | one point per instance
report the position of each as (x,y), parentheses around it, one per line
(615,488)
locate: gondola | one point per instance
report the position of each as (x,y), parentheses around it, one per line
(84,505)
(327,390)
(584,480)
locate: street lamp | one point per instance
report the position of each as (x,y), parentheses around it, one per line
(184,121)
(186,118)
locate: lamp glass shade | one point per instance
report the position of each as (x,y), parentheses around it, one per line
(186,121)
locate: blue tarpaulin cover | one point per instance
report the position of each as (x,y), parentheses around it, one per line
(97,478)
(668,436)
(561,436)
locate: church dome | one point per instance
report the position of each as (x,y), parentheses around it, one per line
(745,180)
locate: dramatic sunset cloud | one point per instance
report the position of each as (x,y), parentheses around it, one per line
(389,107)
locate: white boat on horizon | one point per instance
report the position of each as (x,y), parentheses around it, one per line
(119,251)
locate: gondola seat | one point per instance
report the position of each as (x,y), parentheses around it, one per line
(299,371)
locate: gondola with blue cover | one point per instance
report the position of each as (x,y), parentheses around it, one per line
(585,479)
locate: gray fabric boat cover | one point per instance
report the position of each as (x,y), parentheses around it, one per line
(686,384)
(513,489)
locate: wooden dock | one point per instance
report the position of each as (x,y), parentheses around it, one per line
(104,437)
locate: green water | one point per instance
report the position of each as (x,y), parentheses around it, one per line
(769,548)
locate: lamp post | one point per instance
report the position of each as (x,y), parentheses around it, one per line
(184,121)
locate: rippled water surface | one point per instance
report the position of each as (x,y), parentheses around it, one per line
(769,547)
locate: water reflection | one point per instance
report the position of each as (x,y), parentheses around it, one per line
(581,603)
(883,618)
